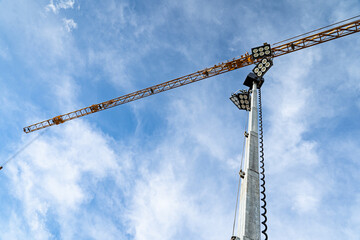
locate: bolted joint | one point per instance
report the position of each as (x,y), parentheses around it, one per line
(241,173)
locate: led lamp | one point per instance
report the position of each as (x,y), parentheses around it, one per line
(240,100)
(261,51)
(262,67)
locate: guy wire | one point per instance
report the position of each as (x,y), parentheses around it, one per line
(239,183)
(22,149)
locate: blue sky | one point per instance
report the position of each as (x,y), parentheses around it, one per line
(166,166)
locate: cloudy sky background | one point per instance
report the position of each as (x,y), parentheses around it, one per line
(166,166)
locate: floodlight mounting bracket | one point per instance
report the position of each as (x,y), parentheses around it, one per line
(241,91)
(251,77)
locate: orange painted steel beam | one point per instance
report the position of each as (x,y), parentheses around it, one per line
(243,61)
(315,39)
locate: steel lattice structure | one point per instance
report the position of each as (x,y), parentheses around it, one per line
(243,61)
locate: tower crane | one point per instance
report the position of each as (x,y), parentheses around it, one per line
(287,46)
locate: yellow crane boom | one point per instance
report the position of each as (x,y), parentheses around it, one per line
(244,60)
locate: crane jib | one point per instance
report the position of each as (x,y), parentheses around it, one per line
(243,61)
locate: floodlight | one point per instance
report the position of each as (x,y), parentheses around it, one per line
(241,99)
(262,67)
(261,51)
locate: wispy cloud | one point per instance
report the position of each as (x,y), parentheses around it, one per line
(69,24)
(170,167)
(50,182)
(59,4)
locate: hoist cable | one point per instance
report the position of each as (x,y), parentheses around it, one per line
(262,172)
(21,149)
(316,30)
(239,183)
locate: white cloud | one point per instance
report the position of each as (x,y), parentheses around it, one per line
(54,175)
(66,90)
(175,182)
(354,218)
(306,197)
(113,62)
(69,24)
(65,4)
(59,4)
(165,204)
(13,228)
(51,7)
(158,206)
(98,227)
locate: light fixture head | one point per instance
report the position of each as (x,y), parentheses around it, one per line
(261,51)
(262,67)
(241,99)
(251,78)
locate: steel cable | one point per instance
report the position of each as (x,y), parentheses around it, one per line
(315,30)
(21,149)
(239,183)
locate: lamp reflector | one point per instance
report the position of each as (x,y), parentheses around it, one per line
(261,51)
(238,100)
(262,67)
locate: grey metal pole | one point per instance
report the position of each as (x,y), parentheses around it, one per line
(249,206)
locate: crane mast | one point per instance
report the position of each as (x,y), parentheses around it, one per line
(236,63)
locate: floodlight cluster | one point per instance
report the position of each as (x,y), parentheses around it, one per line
(261,52)
(262,67)
(241,100)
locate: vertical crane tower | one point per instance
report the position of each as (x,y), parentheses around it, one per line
(249,206)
